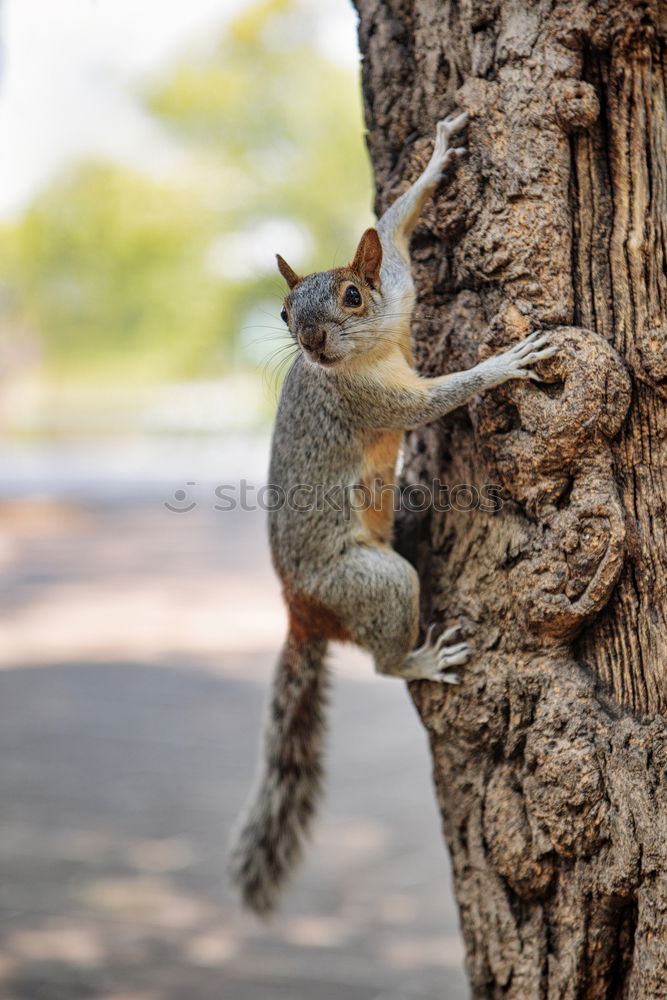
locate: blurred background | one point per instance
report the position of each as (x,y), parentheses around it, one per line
(155,158)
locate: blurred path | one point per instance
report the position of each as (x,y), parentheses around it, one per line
(136,645)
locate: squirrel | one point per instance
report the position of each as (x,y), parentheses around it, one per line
(351,393)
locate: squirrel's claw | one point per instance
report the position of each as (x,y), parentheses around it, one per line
(455,122)
(449,633)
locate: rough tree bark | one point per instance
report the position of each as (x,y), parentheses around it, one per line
(550,760)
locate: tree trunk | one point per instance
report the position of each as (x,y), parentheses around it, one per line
(550,759)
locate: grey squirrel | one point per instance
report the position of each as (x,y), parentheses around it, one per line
(349,396)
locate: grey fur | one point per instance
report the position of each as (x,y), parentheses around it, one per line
(268,842)
(350,392)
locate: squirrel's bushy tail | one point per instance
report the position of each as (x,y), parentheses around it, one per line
(268,844)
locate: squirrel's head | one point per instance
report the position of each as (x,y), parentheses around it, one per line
(336,315)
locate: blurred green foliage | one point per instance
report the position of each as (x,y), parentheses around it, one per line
(120,275)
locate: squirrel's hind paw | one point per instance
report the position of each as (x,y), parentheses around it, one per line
(433,660)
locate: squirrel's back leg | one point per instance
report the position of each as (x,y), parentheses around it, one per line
(374,593)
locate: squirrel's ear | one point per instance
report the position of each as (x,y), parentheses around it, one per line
(368,258)
(290,276)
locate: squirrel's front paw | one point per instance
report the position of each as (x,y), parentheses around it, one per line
(517,362)
(443,152)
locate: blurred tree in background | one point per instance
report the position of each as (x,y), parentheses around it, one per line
(118,274)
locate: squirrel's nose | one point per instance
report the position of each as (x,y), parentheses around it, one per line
(313,339)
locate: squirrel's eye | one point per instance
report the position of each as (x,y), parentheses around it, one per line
(283,314)
(352,296)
